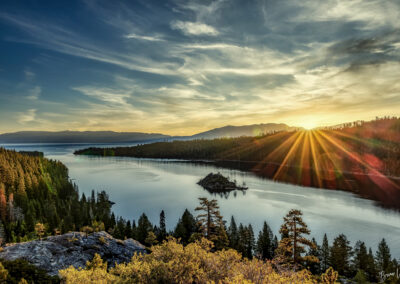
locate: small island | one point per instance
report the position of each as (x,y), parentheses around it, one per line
(217,183)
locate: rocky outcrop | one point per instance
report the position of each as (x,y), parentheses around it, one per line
(75,248)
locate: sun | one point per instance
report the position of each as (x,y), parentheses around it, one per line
(308,124)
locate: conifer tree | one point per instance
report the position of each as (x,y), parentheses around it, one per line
(324,254)
(292,247)
(143,228)
(251,242)
(246,244)
(211,223)
(340,255)
(233,234)
(314,252)
(210,219)
(360,260)
(265,243)
(383,256)
(186,227)
(128,229)
(162,232)
(371,266)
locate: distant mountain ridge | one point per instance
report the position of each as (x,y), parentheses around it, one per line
(244,130)
(127,137)
(78,137)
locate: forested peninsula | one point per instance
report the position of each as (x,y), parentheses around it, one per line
(360,157)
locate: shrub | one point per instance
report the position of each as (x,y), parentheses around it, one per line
(171,262)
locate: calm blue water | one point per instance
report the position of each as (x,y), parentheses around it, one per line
(141,185)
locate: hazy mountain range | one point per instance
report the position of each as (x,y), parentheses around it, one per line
(126,137)
(245,130)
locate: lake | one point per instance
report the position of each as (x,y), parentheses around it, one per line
(144,185)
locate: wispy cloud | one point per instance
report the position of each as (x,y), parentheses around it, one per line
(142,37)
(28,116)
(34,93)
(194,28)
(66,41)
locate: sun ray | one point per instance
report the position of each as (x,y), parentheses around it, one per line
(315,158)
(372,171)
(289,154)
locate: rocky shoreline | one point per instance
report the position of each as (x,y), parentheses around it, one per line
(75,248)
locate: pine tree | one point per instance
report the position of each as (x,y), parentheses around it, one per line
(383,256)
(275,245)
(233,234)
(211,219)
(221,240)
(128,229)
(360,260)
(324,254)
(242,240)
(371,267)
(162,232)
(246,243)
(265,243)
(186,227)
(211,223)
(314,252)
(134,230)
(291,248)
(340,255)
(143,228)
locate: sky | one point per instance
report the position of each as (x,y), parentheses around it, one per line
(182,67)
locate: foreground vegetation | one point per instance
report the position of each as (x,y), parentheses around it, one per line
(171,262)
(361,157)
(19,270)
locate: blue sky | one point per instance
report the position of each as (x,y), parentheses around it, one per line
(181,67)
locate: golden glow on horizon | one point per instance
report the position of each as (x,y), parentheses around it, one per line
(308,123)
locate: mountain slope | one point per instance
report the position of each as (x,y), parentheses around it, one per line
(244,130)
(125,137)
(78,137)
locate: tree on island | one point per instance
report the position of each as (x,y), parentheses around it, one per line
(292,246)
